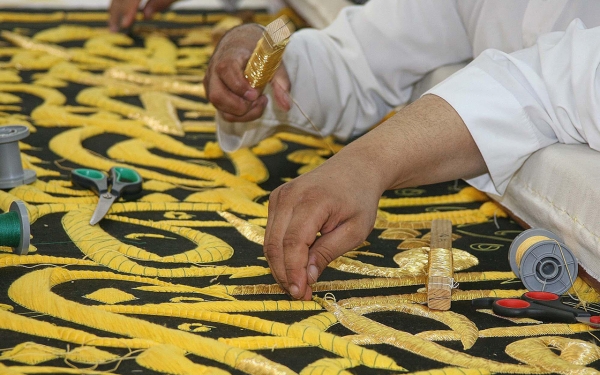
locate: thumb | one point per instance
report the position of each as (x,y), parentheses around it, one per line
(281,88)
(331,245)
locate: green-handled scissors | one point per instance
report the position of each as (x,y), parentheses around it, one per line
(122,181)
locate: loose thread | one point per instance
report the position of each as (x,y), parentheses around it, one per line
(323,138)
(562,254)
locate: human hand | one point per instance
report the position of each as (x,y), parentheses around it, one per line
(425,143)
(122,12)
(226,86)
(339,199)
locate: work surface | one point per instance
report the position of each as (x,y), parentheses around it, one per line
(175,281)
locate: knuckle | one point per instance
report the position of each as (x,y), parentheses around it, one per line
(271,250)
(291,240)
(221,68)
(285,191)
(326,254)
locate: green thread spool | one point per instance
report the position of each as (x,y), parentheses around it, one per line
(10,229)
(14,228)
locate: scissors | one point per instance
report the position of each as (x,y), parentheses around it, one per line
(123,182)
(544,306)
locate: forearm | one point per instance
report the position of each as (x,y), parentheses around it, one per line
(516,104)
(426,142)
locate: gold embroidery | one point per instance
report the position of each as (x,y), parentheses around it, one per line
(33,291)
(406,341)
(110,296)
(32,353)
(171,359)
(466,195)
(575,354)
(252,232)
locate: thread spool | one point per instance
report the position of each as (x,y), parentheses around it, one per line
(440,271)
(267,54)
(542,261)
(11,169)
(14,228)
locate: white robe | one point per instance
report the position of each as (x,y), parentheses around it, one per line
(532,83)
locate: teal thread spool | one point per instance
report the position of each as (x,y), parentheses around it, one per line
(14,228)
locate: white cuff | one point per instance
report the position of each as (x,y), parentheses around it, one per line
(497,122)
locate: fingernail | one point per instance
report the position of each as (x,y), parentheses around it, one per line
(251,95)
(294,290)
(313,273)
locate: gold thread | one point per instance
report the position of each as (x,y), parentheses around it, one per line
(440,280)
(267,54)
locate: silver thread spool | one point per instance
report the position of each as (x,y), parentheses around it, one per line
(11,169)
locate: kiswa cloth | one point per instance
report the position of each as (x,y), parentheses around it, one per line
(175,281)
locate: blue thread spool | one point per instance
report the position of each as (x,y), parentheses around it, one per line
(11,169)
(14,228)
(542,261)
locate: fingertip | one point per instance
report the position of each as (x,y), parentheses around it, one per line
(294,291)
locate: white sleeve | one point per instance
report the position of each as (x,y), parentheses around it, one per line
(351,74)
(515,104)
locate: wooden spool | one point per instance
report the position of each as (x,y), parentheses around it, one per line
(440,269)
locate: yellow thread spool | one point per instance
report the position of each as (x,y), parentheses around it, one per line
(542,262)
(268,54)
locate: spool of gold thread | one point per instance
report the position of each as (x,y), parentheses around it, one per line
(542,262)
(440,272)
(268,53)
